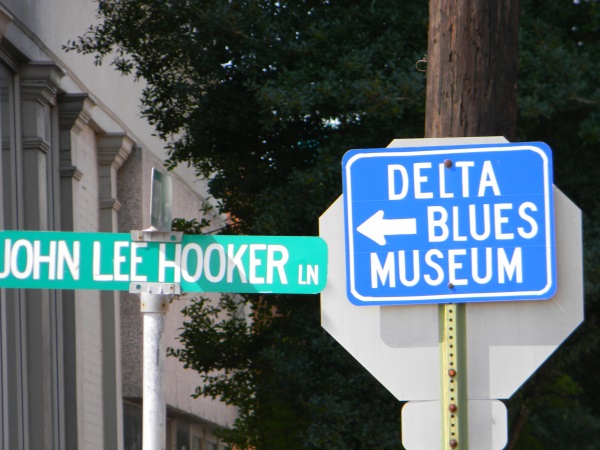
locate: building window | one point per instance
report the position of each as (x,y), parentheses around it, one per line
(196,443)
(183,435)
(132,426)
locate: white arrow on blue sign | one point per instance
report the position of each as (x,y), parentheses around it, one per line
(449,224)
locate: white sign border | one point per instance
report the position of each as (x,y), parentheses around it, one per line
(513,295)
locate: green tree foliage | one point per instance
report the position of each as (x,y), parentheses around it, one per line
(264,97)
(559,103)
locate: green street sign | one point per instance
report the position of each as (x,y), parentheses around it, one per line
(109,261)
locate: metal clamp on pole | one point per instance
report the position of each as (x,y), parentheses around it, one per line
(154,235)
(155,297)
(141,287)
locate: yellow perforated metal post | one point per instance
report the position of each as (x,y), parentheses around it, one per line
(453,355)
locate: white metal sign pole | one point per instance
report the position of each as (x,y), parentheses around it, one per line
(154,308)
(154,304)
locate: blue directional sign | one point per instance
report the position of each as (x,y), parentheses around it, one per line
(449,224)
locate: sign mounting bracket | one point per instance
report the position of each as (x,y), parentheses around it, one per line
(151,234)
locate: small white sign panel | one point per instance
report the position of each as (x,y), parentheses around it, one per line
(160,201)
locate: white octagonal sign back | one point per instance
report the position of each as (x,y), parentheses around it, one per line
(506,341)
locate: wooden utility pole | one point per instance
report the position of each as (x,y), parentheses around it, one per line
(472,68)
(471,91)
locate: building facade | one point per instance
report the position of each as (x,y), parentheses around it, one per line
(76,156)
